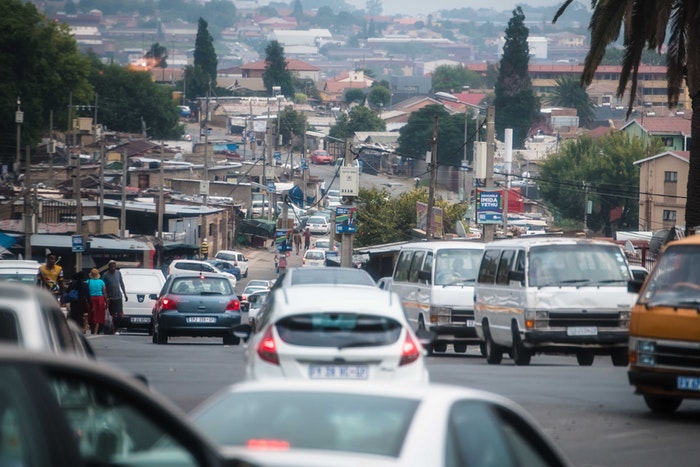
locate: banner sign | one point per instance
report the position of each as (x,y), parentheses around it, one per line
(345,219)
(489,205)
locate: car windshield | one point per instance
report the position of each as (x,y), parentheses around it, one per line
(27,278)
(456,266)
(343,422)
(306,276)
(675,280)
(341,330)
(576,265)
(317,220)
(201,286)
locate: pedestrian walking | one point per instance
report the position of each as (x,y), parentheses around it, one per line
(297,242)
(307,239)
(282,263)
(79,308)
(50,275)
(204,249)
(98,301)
(114,283)
(277,264)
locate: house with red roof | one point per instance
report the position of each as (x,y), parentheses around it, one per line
(673,131)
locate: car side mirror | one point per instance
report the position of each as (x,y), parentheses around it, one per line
(517,276)
(424,276)
(634,286)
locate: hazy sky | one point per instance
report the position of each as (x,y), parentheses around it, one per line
(414,7)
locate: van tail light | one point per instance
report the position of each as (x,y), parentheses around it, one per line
(233,305)
(168,304)
(409,351)
(267,349)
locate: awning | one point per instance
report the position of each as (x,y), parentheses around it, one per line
(170,246)
(258,227)
(6,241)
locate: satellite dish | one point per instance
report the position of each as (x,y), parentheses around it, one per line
(658,239)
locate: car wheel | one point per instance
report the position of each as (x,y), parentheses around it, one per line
(230,339)
(585,357)
(161,338)
(519,353)
(440,347)
(460,348)
(662,404)
(482,348)
(620,357)
(494,353)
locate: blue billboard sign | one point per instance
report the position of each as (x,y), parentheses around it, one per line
(345,219)
(489,205)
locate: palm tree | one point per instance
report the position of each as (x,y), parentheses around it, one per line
(569,93)
(645,25)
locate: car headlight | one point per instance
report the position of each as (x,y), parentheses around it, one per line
(536,319)
(624,317)
(440,314)
(646,352)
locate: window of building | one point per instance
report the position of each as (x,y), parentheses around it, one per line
(670,177)
(669,215)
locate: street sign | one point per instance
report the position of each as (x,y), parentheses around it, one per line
(489,205)
(271,187)
(78,245)
(277,155)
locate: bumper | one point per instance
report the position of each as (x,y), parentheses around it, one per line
(660,383)
(455,333)
(561,341)
(175,324)
(135,322)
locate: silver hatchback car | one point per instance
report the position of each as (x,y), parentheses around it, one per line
(31,319)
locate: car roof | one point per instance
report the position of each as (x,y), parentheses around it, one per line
(306,276)
(349,298)
(186,273)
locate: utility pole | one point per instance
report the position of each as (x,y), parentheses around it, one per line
(161,206)
(508,159)
(346,243)
(52,145)
(19,119)
(206,146)
(585,209)
(28,214)
(303,171)
(433,167)
(122,221)
(489,229)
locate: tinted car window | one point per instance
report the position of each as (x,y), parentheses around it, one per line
(9,328)
(504,267)
(416,265)
(199,286)
(338,330)
(489,265)
(403,265)
(332,276)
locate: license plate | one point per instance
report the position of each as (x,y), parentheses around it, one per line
(470,323)
(582,331)
(201,319)
(338,372)
(688,383)
(140,320)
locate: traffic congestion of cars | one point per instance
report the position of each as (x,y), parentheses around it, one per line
(336,361)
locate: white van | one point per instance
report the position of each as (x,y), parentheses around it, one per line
(14,270)
(559,295)
(140,285)
(435,281)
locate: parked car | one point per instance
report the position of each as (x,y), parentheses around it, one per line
(67,412)
(319,332)
(250,289)
(260,283)
(313,258)
(255,303)
(323,423)
(197,304)
(141,285)
(336,277)
(321,156)
(318,225)
(24,271)
(192,265)
(30,318)
(237,256)
(325,244)
(230,267)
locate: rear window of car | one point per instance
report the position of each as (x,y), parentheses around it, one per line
(332,329)
(201,286)
(194,267)
(226,256)
(317,220)
(9,329)
(314,255)
(332,276)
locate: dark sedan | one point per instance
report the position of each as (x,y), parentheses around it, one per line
(199,305)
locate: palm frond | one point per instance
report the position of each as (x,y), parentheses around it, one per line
(662,21)
(605,25)
(676,53)
(634,46)
(561,9)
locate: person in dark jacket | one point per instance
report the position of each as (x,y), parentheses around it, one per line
(79,309)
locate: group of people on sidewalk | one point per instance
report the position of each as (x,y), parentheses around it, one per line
(95,303)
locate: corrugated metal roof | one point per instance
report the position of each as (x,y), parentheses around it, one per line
(96,243)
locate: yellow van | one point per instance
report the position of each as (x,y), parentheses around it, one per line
(664,332)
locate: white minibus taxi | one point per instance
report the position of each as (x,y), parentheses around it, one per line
(553,295)
(435,281)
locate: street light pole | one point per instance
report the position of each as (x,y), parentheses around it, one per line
(19,119)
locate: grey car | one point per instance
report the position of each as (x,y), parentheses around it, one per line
(197,304)
(31,318)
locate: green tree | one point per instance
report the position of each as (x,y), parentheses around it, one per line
(515,101)
(353,95)
(602,171)
(374,7)
(201,76)
(646,25)
(569,93)
(127,97)
(447,78)
(379,96)
(416,136)
(358,119)
(159,56)
(615,56)
(276,72)
(42,66)
(292,126)
(298,11)
(324,17)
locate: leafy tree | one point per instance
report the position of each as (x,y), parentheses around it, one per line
(306,86)
(358,119)
(267,11)
(276,72)
(615,55)
(222,14)
(42,66)
(324,17)
(374,7)
(292,125)
(379,96)
(159,55)
(515,102)
(569,93)
(201,77)
(298,11)
(448,78)
(416,136)
(601,170)
(353,95)
(646,24)
(127,97)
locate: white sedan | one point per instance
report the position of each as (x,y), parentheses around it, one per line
(303,423)
(318,225)
(342,332)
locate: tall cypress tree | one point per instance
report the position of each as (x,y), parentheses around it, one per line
(204,53)
(516,104)
(276,72)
